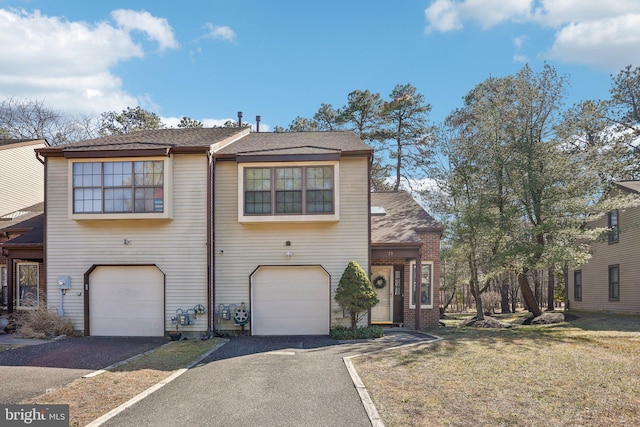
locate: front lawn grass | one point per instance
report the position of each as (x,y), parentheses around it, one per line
(90,398)
(580,373)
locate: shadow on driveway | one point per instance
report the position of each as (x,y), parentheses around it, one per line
(80,352)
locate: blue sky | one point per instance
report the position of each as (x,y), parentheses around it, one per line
(280,59)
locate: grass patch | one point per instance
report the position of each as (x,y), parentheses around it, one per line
(90,398)
(573,373)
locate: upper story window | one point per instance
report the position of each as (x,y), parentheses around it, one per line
(297,192)
(614,234)
(577,285)
(135,187)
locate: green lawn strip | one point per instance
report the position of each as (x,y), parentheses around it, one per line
(170,357)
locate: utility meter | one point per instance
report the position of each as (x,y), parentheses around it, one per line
(64,282)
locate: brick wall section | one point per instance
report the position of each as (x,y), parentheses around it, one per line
(430,253)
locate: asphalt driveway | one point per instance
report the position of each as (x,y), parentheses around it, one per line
(265,381)
(33,369)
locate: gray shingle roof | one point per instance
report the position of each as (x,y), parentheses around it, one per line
(630,185)
(152,139)
(285,143)
(403,219)
(34,234)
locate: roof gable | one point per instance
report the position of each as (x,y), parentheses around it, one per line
(272,144)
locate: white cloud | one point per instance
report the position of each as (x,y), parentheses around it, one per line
(218,32)
(450,15)
(157,29)
(609,44)
(68,63)
(602,34)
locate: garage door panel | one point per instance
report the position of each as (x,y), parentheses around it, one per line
(126,301)
(285,326)
(290,301)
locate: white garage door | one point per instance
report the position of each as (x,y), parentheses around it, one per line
(290,301)
(126,301)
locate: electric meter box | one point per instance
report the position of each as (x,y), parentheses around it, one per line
(64,282)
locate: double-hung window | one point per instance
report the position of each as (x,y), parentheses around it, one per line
(286,192)
(119,187)
(614,282)
(614,231)
(426,281)
(577,285)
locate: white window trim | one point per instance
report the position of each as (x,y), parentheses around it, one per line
(18,299)
(167,191)
(335,216)
(411,281)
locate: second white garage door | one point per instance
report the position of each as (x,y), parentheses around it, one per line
(126,301)
(290,301)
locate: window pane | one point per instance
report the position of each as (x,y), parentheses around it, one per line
(257,202)
(28,285)
(258,179)
(288,178)
(288,201)
(425,291)
(320,178)
(319,201)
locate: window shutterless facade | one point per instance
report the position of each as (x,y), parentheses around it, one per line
(577,285)
(614,282)
(118,188)
(293,192)
(614,230)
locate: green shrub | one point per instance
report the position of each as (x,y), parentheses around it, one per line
(344,333)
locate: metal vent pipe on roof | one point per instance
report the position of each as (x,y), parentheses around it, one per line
(257,123)
(239,119)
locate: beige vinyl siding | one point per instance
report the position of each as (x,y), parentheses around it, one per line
(595,274)
(21,177)
(178,246)
(242,247)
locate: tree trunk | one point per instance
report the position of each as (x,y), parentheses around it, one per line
(551,290)
(504,297)
(354,320)
(444,308)
(527,295)
(475,290)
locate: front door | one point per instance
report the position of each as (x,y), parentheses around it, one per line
(398,294)
(381,278)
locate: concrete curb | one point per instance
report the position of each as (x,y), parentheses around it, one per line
(369,407)
(99,421)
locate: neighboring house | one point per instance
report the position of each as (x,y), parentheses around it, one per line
(145,228)
(405,249)
(21,175)
(22,259)
(610,280)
